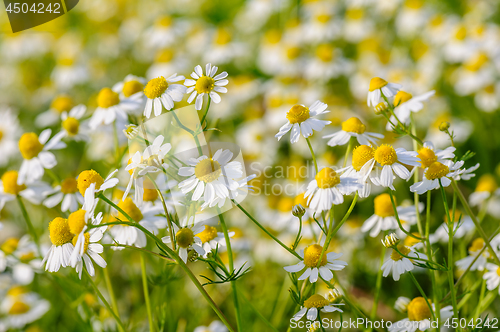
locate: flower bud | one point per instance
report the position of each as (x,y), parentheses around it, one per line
(131,131)
(390,240)
(315,327)
(298,210)
(444,126)
(334,295)
(380,108)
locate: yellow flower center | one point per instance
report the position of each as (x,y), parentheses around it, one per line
(385,155)
(71,125)
(10,245)
(411,241)
(383,206)
(76,221)
(69,186)
(59,231)
(131,87)
(1,135)
(487,183)
(354,13)
(414,4)
(285,204)
(300,199)
(29,145)
(165,55)
(86,243)
(62,104)
(476,62)
(156,87)
(427,157)
(16,291)
(128,206)
(10,186)
(418,309)
(19,308)
(204,84)
(207,170)
(476,245)
(297,114)
(272,36)
(208,234)
(311,256)
(222,37)
(86,178)
(377,83)
(353,125)
(395,256)
(184,237)
(164,21)
(361,155)
(293,52)
(323,18)
(150,195)
(461,33)
(325,52)
(26,257)
(498,271)
(327,178)
(436,170)
(316,301)
(401,97)
(107,98)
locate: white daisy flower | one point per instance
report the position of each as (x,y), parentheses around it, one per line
(474,250)
(419,316)
(10,129)
(90,251)
(379,86)
(311,255)
(428,154)
(71,124)
(301,120)
(59,105)
(211,239)
(205,84)
(67,193)
(467,174)
(37,156)
(131,90)
(186,238)
(397,264)
(313,304)
(436,172)
(361,167)
(492,277)
(242,189)
(110,109)
(486,187)
(34,192)
(328,188)
(59,254)
(384,217)
(211,178)
(88,177)
(162,91)
(405,103)
(21,256)
(21,308)
(401,304)
(353,127)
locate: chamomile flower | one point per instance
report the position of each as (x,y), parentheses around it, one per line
(313,304)
(22,308)
(186,238)
(301,121)
(492,277)
(398,264)
(242,189)
(89,251)
(405,103)
(21,256)
(384,217)
(67,193)
(211,178)
(392,162)
(474,250)
(88,177)
(311,255)
(428,154)
(59,254)
(110,109)
(205,84)
(131,90)
(353,127)
(362,165)
(9,189)
(401,304)
(37,156)
(486,187)
(328,188)
(163,91)
(71,124)
(211,239)
(437,172)
(59,105)
(379,86)
(419,316)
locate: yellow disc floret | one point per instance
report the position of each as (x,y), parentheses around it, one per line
(436,170)
(208,234)
(62,103)
(476,245)
(149,195)
(204,84)
(86,243)
(377,83)
(59,232)
(10,186)
(132,87)
(184,237)
(69,186)
(107,98)
(325,52)
(418,309)
(361,155)
(86,178)
(128,206)
(353,125)
(427,157)
(401,97)
(76,221)
(311,256)
(316,301)
(383,206)
(10,245)
(297,114)
(300,199)
(207,170)
(487,183)
(19,308)
(71,125)
(396,256)
(29,145)
(156,87)
(285,204)
(327,178)
(385,155)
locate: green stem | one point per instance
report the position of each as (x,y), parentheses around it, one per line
(109,286)
(399,221)
(264,319)
(30,224)
(297,239)
(481,297)
(146,293)
(430,256)
(378,285)
(422,293)
(347,151)
(312,155)
(206,112)
(167,215)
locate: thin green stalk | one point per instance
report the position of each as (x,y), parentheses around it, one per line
(347,151)
(264,319)
(146,293)
(312,155)
(399,221)
(297,239)
(481,297)
(231,269)
(167,215)
(109,286)
(30,224)
(422,293)
(430,256)
(450,253)
(401,125)
(206,112)
(378,286)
